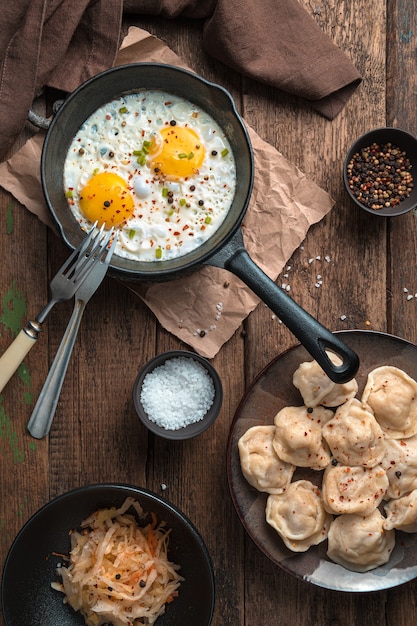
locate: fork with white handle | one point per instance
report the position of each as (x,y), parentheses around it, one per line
(40,421)
(63,286)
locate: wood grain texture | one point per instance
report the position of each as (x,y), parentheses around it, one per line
(363,262)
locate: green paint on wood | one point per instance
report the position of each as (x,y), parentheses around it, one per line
(5,535)
(24,375)
(14,310)
(22,507)
(9,218)
(13,317)
(10,436)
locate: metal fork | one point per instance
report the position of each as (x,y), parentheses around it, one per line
(40,421)
(63,286)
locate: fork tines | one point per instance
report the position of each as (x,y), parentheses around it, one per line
(92,253)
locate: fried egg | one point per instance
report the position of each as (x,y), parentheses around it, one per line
(155,166)
(106,199)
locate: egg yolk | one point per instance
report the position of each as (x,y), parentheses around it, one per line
(106,199)
(176,152)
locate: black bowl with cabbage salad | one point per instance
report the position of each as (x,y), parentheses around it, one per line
(30,585)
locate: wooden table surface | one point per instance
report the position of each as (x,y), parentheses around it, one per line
(96,436)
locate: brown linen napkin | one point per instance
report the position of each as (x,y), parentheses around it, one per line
(273,41)
(60,43)
(204,309)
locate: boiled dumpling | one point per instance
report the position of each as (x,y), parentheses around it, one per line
(402,513)
(317,388)
(354,436)
(360,543)
(392,395)
(353,489)
(260,464)
(298,516)
(400,464)
(298,436)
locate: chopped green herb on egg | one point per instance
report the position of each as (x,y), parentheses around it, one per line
(168,176)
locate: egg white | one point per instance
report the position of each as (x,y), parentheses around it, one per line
(172,217)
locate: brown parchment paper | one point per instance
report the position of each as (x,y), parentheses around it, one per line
(284,204)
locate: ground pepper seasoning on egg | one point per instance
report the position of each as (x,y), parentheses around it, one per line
(379,176)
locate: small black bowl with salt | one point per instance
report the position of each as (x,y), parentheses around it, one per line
(178,394)
(380,172)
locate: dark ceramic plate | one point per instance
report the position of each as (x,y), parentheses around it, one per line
(27,597)
(270,392)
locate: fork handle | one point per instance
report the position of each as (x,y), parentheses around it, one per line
(43,413)
(16,352)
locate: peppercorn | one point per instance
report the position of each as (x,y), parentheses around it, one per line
(379,176)
(173,123)
(310,409)
(106,203)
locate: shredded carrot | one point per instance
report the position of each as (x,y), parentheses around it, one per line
(118,571)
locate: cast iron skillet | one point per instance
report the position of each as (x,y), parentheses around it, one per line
(225,249)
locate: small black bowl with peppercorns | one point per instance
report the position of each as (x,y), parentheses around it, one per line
(380,172)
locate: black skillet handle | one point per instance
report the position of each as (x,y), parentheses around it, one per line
(314,337)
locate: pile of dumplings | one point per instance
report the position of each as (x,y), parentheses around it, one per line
(364,452)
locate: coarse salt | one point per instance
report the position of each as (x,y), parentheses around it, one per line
(177,393)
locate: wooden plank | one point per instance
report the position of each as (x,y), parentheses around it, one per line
(23,288)
(195,471)
(352,291)
(402,248)
(401,112)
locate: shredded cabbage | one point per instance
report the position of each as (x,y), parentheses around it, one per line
(118,571)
